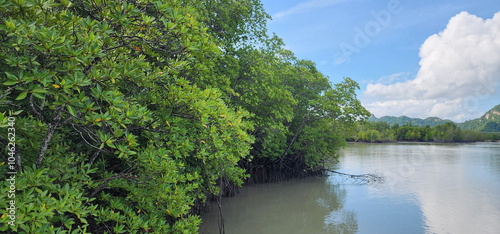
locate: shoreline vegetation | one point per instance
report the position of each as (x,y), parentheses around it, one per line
(130,115)
(380,132)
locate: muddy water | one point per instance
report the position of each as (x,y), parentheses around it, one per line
(429,188)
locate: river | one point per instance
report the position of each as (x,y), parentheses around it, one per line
(428,188)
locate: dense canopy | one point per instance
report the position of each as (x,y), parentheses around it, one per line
(129,114)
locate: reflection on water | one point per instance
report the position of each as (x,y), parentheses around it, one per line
(310,205)
(338,219)
(429,188)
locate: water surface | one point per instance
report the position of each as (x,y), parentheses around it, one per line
(429,188)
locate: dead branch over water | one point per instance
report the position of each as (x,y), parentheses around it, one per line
(370,178)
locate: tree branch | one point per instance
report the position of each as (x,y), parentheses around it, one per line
(363,178)
(45,144)
(7,91)
(48,136)
(302,124)
(33,108)
(107,180)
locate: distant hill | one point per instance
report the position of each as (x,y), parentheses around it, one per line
(489,122)
(431,121)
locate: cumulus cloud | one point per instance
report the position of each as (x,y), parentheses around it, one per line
(304,7)
(459,68)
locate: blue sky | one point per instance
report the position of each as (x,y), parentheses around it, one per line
(415,58)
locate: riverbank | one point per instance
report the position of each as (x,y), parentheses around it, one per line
(385,141)
(447,132)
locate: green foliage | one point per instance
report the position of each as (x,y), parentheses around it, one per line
(326,121)
(430,129)
(447,132)
(52,200)
(129,113)
(111,80)
(300,118)
(233,23)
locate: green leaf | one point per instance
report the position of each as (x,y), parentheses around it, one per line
(10,25)
(40,91)
(11,76)
(38,95)
(22,96)
(12,82)
(4,227)
(71,110)
(17,112)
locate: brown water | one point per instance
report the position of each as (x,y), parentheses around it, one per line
(429,188)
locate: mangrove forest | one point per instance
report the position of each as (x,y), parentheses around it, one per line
(126,116)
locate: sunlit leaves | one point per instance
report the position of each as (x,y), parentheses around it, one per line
(121,88)
(143,106)
(299,117)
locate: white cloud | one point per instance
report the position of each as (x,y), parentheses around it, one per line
(459,68)
(304,7)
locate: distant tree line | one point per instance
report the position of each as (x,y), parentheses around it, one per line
(447,132)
